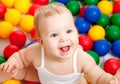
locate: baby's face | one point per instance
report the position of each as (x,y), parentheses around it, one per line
(59,35)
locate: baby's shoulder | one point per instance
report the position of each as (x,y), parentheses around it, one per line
(33,49)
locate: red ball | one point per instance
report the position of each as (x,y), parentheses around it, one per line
(112,65)
(9,50)
(33,33)
(41,2)
(30,82)
(33,9)
(3,10)
(116,7)
(18,38)
(81,13)
(86,42)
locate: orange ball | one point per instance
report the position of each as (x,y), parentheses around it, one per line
(27,23)
(6,29)
(12,81)
(13,16)
(96,32)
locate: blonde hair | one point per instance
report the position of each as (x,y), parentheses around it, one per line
(47,11)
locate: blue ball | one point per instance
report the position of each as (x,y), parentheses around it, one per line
(102,47)
(115,48)
(63,1)
(92,13)
(82,25)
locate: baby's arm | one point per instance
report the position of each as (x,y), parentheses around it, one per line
(95,74)
(12,64)
(27,73)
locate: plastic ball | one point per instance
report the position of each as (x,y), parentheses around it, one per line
(9,50)
(102,47)
(95,56)
(33,9)
(115,48)
(3,10)
(91,2)
(116,7)
(103,21)
(96,32)
(18,38)
(33,33)
(82,10)
(115,19)
(5,29)
(105,7)
(31,82)
(112,65)
(86,42)
(13,16)
(112,33)
(92,13)
(73,6)
(2,59)
(41,2)
(22,6)
(63,1)
(11,81)
(82,25)
(8,3)
(27,23)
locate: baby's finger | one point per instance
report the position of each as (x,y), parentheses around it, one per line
(4,67)
(14,73)
(10,68)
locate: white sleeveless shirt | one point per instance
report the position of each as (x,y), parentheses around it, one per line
(47,77)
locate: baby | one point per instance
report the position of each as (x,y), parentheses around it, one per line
(58,57)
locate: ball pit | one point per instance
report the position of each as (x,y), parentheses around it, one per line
(107,14)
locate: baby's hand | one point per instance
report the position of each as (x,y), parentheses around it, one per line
(116,78)
(11,66)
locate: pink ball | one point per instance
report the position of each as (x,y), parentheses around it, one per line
(86,42)
(3,10)
(9,50)
(18,38)
(33,9)
(41,2)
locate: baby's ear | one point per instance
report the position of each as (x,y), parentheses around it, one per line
(40,41)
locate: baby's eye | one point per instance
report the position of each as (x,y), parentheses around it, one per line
(69,31)
(53,35)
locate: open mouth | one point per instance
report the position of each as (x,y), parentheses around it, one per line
(65,48)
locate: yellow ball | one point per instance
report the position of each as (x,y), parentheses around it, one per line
(27,23)
(12,81)
(13,16)
(8,3)
(105,7)
(96,32)
(6,29)
(22,5)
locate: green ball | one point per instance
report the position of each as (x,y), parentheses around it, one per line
(91,2)
(94,55)
(104,20)
(115,19)
(2,59)
(73,6)
(112,33)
